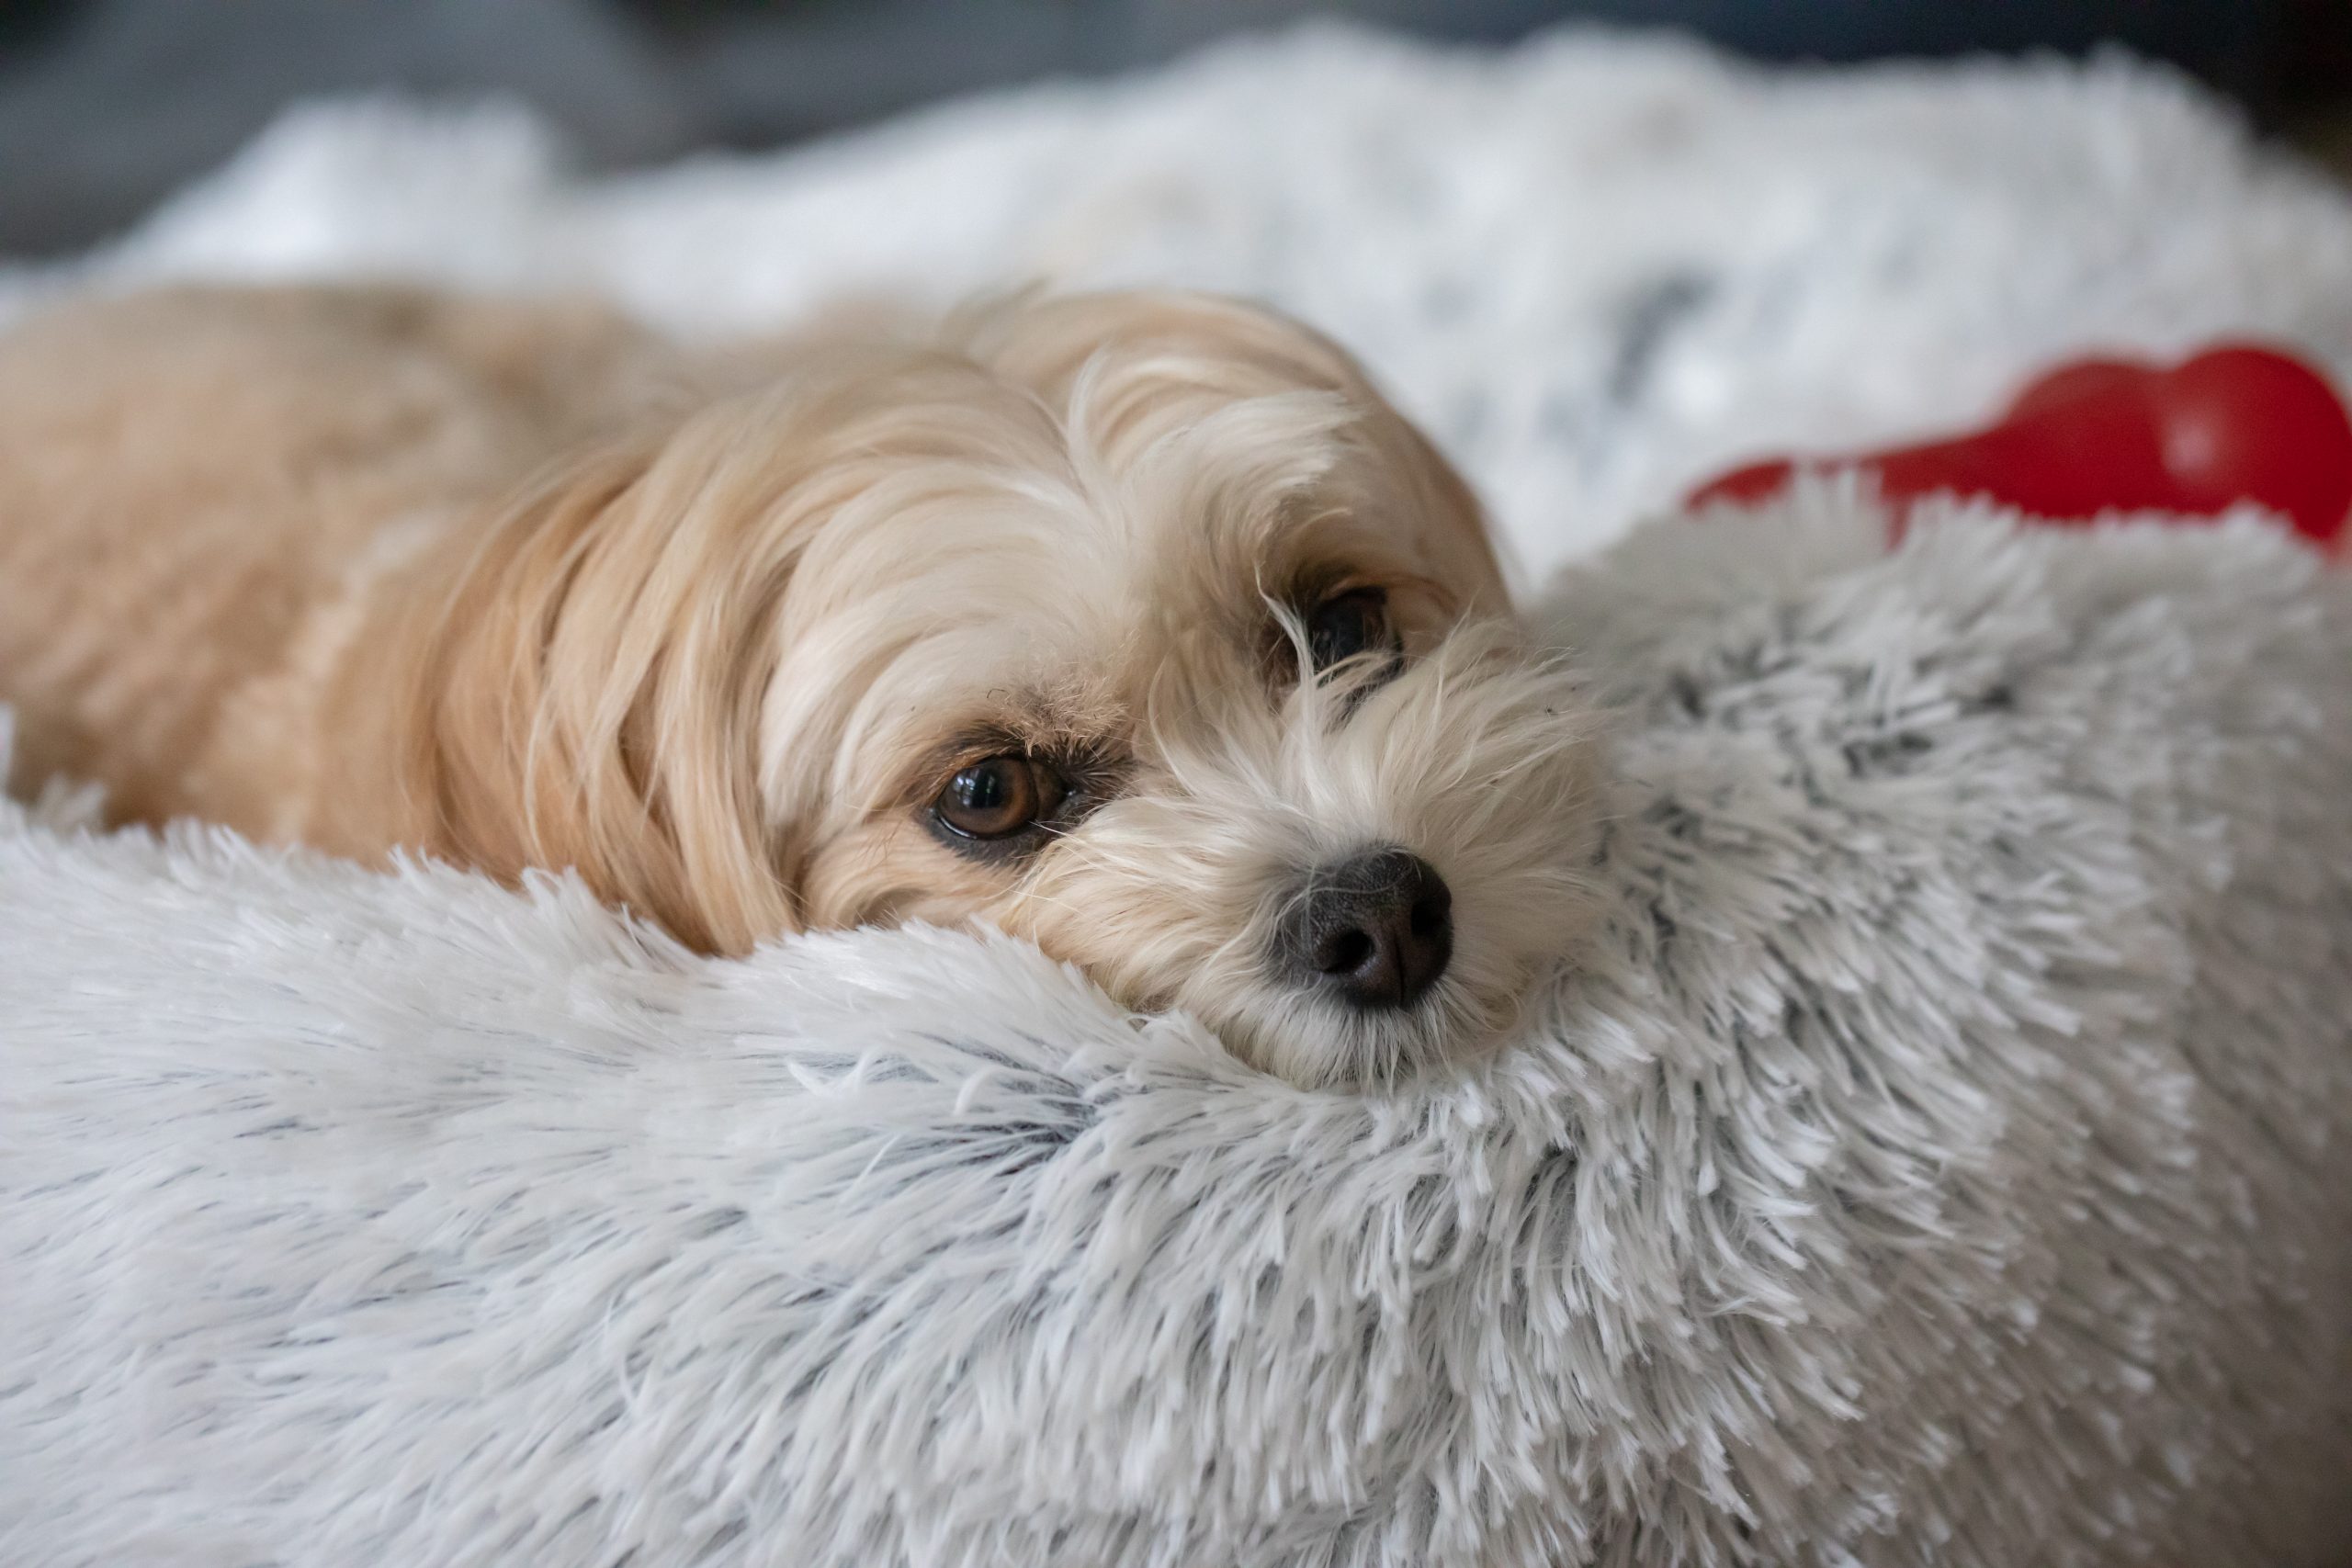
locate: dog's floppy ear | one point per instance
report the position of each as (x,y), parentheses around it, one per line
(585,684)
(1159,345)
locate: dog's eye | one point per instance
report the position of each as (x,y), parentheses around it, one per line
(998,797)
(1348,625)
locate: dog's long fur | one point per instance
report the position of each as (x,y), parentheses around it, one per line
(518,584)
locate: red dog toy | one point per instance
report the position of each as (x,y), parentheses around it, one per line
(2236,423)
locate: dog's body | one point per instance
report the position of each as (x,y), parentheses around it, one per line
(198,491)
(1136,623)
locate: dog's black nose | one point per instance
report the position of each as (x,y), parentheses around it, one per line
(1375,929)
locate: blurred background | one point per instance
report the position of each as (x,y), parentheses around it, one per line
(108,105)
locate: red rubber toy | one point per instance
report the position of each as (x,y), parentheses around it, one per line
(2236,423)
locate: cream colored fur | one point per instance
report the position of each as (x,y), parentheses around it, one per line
(520,585)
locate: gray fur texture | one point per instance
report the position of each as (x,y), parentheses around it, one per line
(1939,1158)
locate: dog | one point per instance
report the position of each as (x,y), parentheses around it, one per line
(1138,624)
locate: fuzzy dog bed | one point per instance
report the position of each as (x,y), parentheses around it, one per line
(1938,1157)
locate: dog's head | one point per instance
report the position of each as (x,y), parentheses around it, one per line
(1136,624)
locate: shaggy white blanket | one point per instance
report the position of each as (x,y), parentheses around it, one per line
(1939,1159)
(1596,267)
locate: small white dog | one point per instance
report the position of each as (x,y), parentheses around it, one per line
(1137,625)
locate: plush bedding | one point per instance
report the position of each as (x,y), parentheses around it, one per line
(1938,1157)
(1595,265)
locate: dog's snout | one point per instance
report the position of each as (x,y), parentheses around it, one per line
(1375,929)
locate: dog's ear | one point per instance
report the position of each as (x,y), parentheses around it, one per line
(583,686)
(1452,528)
(1146,352)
